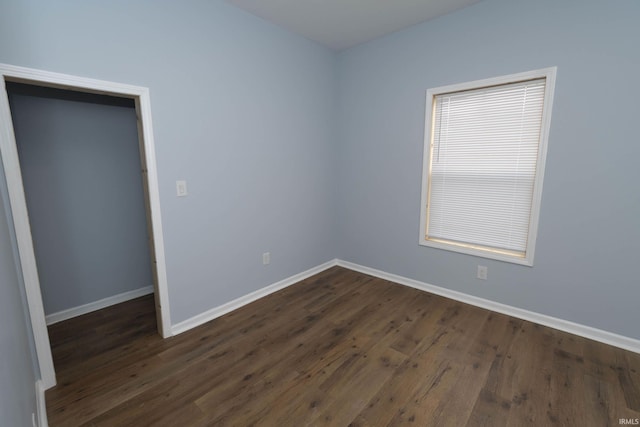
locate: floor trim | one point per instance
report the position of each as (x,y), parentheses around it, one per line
(97,305)
(589,332)
(599,335)
(41,405)
(223,309)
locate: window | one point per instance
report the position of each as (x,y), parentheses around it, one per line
(485,147)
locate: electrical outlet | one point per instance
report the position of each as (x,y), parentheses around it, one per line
(33,419)
(482,272)
(266,258)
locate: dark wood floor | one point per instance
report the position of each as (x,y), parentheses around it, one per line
(338,349)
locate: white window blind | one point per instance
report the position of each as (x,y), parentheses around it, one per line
(482,172)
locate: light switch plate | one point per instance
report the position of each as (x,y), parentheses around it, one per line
(181,188)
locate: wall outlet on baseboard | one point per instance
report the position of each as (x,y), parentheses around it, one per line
(482,272)
(266,258)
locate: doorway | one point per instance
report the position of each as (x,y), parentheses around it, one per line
(13,174)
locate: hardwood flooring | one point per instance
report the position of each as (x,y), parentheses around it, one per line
(338,349)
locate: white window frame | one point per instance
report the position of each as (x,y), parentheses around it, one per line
(549,74)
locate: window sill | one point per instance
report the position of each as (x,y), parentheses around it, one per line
(526,260)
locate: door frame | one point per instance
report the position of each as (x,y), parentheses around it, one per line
(13,175)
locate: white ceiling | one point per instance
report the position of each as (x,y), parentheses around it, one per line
(340,24)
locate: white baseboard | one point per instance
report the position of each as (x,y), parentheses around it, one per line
(589,332)
(97,305)
(223,309)
(41,406)
(610,338)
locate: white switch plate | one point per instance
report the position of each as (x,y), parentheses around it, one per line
(266,258)
(482,272)
(181,188)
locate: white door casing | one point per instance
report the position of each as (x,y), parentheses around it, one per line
(11,163)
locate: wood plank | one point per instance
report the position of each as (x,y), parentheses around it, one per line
(489,410)
(338,348)
(527,377)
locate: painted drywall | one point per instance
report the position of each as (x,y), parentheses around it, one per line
(17,370)
(585,267)
(81,170)
(242,110)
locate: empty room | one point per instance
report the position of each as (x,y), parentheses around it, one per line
(338,213)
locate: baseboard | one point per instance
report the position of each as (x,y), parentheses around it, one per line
(610,338)
(97,305)
(223,309)
(41,406)
(589,332)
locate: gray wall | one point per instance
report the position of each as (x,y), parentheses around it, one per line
(80,166)
(586,264)
(242,110)
(17,371)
